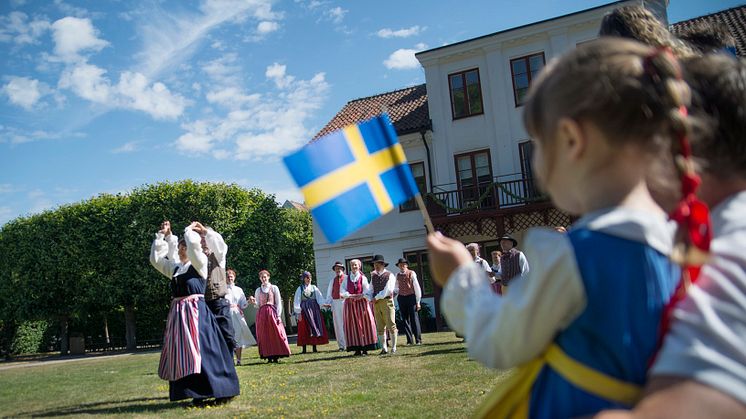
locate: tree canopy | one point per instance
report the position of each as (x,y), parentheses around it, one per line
(89,260)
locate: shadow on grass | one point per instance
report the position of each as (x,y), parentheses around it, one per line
(139,405)
(437,352)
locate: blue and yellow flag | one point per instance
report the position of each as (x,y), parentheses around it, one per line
(352,176)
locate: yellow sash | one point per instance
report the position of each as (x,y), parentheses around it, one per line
(511,399)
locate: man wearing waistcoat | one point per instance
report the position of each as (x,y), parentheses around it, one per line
(383,284)
(513,263)
(216,288)
(335,301)
(408,296)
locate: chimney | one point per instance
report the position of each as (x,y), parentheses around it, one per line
(659,9)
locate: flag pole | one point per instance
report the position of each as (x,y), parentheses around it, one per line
(425,215)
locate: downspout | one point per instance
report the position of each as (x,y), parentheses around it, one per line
(427,151)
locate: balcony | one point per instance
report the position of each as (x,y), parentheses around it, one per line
(503,193)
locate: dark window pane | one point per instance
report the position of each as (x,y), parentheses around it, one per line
(520,94)
(456,81)
(536,62)
(519,66)
(472,77)
(459,103)
(475,99)
(521,81)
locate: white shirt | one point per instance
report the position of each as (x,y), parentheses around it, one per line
(707,340)
(164,254)
(330,288)
(503,332)
(277,300)
(217,245)
(415,285)
(311,290)
(388,290)
(236,296)
(353,278)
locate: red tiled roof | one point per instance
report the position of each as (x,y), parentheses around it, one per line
(734,19)
(407,109)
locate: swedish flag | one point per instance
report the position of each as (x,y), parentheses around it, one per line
(352,176)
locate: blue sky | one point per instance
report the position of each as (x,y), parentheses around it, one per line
(104,96)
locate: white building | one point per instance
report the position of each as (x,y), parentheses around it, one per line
(463,136)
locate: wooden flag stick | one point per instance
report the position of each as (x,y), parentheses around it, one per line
(425,215)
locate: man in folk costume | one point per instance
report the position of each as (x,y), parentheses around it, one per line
(384,285)
(215,249)
(336,302)
(513,262)
(409,296)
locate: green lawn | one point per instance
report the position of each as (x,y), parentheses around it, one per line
(433,380)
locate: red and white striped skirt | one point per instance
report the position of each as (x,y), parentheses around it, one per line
(360,325)
(180,355)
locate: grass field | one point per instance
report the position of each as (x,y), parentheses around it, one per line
(433,380)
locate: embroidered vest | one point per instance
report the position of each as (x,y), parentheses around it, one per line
(406,286)
(355,287)
(266,297)
(379,281)
(337,283)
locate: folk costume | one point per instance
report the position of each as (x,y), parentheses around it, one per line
(195,359)
(582,355)
(307,306)
(707,339)
(334,298)
(513,264)
(360,325)
(216,288)
(409,295)
(237,300)
(384,284)
(270,332)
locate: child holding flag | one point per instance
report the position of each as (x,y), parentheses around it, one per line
(583,328)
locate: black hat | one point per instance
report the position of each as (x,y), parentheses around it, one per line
(507,237)
(379,258)
(402,260)
(338,263)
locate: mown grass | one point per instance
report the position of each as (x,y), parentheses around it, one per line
(433,380)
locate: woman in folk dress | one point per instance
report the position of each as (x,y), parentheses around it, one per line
(360,325)
(270,332)
(238,302)
(307,306)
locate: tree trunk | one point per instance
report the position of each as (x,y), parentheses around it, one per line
(106,329)
(64,335)
(129,325)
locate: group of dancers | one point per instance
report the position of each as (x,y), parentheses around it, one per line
(206,325)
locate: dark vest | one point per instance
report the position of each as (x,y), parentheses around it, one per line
(379,281)
(216,285)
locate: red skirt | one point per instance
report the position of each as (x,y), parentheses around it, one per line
(360,325)
(271,337)
(304,334)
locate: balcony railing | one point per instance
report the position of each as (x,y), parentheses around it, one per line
(504,192)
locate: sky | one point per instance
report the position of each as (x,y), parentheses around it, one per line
(106,96)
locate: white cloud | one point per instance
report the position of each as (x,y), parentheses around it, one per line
(171,37)
(73,35)
(16,28)
(70,10)
(266,27)
(336,14)
(136,92)
(224,69)
(133,91)
(276,73)
(404,59)
(15,136)
(257,126)
(400,33)
(129,147)
(25,92)
(88,82)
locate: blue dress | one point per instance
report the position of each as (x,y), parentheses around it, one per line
(617,332)
(218,377)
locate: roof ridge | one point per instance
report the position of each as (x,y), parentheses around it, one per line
(743,6)
(387,93)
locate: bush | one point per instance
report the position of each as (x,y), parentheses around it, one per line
(30,337)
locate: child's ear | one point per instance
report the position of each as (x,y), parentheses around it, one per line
(571,138)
